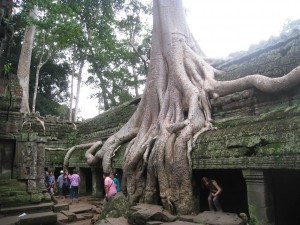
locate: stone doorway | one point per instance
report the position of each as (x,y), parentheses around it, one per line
(86,180)
(286,196)
(234,195)
(7,152)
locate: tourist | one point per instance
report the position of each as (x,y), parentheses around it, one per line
(214,193)
(66,184)
(59,181)
(75,180)
(48,184)
(116,181)
(52,183)
(109,187)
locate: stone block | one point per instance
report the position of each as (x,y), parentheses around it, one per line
(70,215)
(60,207)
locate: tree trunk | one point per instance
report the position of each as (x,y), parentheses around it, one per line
(173,111)
(24,62)
(37,74)
(78,89)
(72,89)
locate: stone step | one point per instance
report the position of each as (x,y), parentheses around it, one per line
(31,208)
(75,208)
(62,218)
(30,219)
(69,215)
(60,207)
(38,218)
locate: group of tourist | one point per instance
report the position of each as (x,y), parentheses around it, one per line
(67,183)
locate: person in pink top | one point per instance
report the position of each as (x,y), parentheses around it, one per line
(109,186)
(74,179)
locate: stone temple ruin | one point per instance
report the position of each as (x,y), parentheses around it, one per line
(254,154)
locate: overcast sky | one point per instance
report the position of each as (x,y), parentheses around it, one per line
(225,26)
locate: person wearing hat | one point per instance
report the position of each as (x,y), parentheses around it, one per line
(60,182)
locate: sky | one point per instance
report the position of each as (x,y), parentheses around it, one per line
(222,27)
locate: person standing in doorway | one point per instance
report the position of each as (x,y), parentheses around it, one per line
(214,193)
(109,186)
(59,181)
(52,182)
(75,180)
(116,181)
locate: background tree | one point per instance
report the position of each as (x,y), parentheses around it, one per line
(25,57)
(173,112)
(6,32)
(135,27)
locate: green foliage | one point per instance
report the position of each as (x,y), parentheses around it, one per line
(47,106)
(96,31)
(289,25)
(7,68)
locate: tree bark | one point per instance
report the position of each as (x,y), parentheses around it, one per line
(173,111)
(72,88)
(78,89)
(24,62)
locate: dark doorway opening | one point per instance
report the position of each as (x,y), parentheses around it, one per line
(7,154)
(234,195)
(286,196)
(88,179)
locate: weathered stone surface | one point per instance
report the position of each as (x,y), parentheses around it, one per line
(143,213)
(218,218)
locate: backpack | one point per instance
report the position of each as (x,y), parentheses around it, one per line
(66,181)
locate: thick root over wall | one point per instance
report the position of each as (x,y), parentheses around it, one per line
(173,112)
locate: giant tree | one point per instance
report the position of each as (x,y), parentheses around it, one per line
(174,110)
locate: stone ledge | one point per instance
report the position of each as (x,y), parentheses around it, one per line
(39,218)
(27,209)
